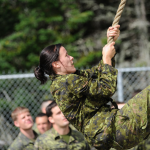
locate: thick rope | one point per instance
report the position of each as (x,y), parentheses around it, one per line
(115,22)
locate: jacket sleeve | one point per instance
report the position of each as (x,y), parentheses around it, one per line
(104,85)
(94,72)
(36,145)
(16,146)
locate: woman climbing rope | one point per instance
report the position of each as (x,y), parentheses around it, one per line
(82,96)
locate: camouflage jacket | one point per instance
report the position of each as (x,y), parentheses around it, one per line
(51,140)
(83,98)
(23,143)
(144,145)
(35,128)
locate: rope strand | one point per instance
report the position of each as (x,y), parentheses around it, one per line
(117,18)
(115,22)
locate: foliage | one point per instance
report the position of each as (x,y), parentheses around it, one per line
(27,26)
(39,26)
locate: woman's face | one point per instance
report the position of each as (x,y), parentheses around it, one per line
(65,62)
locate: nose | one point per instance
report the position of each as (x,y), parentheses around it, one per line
(62,114)
(71,58)
(28,118)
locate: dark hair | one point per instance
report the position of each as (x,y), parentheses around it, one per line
(47,57)
(41,115)
(49,108)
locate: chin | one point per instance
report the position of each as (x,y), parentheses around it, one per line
(74,70)
(29,126)
(67,122)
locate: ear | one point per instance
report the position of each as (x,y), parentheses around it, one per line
(55,64)
(16,124)
(51,120)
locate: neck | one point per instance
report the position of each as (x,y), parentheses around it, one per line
(28,133)
(62,130)
(61,73)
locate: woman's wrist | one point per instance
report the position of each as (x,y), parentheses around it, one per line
(107,60)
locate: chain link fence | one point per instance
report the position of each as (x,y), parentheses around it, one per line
(25,90)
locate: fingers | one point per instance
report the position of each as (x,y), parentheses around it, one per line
(114,30)
(112,44)
(116,27)
(113,33)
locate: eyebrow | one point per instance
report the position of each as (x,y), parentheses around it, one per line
(58,112)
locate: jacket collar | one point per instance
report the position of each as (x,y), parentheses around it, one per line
(57,136)
(27,140)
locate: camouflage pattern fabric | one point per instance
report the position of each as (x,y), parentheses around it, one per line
(144,145)
(72,127)
(51,140)
(23,143)
(83,98)
(132,122)
(35,129)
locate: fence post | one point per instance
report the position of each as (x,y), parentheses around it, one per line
(120,86)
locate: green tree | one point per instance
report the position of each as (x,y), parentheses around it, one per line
(30,25)
(41,23)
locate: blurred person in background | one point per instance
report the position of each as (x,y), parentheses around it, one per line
(26,138)
(43,106)
(43,110)
(61,136)
(42,122)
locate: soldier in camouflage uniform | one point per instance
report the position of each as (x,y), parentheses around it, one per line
(42,123)
(44,104)
(61,136)
(82,96)
(26,138)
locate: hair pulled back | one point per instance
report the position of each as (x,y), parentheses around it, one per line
(47,57)
(49,112)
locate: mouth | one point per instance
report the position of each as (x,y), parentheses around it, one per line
(65,119)
(29,122)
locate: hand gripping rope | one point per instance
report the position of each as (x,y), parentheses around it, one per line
(115,22)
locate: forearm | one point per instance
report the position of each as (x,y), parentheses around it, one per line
(107,60)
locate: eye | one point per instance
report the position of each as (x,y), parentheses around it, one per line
(58,113)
